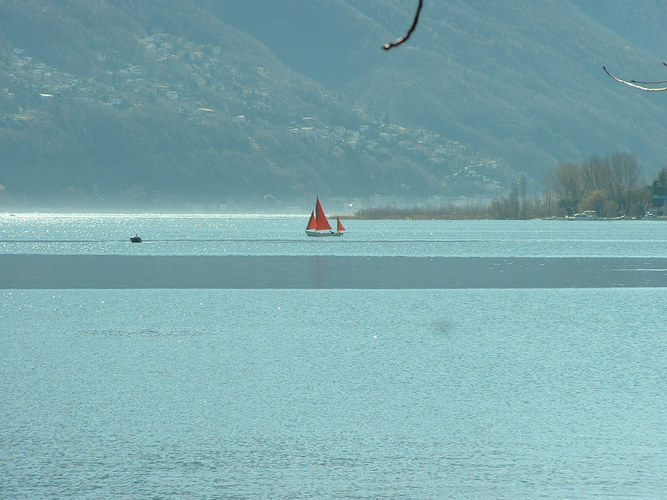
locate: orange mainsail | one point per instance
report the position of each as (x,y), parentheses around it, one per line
(320,218)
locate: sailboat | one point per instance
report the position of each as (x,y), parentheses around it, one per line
(318,224)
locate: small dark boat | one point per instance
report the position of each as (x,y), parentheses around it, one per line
(136,239)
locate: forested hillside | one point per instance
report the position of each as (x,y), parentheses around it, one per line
(262,104)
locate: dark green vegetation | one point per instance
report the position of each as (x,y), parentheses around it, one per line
(219,104)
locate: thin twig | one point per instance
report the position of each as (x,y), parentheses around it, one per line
(633,83)
(398,42)
(651,83)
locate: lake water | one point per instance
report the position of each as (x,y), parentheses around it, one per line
(516,384)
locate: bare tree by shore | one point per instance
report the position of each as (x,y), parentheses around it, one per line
(606,186)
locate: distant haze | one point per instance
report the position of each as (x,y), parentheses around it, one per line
(260,104)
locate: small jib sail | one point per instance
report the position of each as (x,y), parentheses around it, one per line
(318,224)
(312,223)
(339,225)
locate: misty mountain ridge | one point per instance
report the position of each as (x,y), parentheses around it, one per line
(263,104)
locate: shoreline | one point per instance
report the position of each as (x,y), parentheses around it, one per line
(407,214)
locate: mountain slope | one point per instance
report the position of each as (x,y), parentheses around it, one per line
(155,103)
(129,103)
(521,81)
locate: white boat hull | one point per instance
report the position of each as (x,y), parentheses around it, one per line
(312,232)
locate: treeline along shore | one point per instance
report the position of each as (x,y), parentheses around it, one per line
(473,212)
(600,188)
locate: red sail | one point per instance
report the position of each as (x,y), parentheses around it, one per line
(311,222)
(339,225)
(322,222)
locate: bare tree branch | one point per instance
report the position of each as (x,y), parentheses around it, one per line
(651,83)
(398,42)
(638,84)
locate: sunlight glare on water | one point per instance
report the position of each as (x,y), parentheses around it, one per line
(284,235)
(336,393)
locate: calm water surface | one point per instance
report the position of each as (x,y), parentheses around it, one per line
(339,393)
